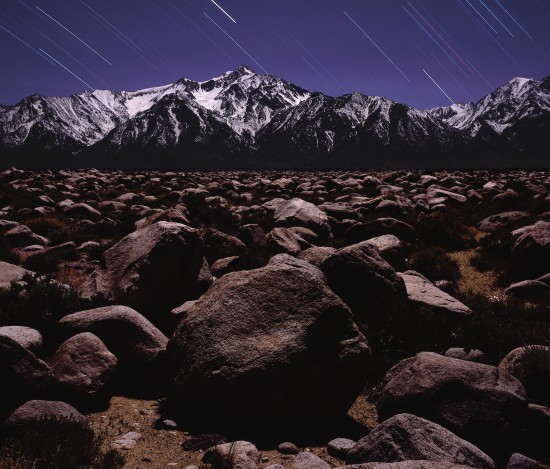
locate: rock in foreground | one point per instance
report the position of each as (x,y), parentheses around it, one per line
(476,402)
(272,346)
(137,344)
(406,437)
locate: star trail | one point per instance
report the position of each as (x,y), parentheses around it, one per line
(425,53)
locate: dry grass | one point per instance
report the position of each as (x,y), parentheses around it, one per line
(472,280)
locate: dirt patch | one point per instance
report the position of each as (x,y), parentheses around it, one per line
(159,447)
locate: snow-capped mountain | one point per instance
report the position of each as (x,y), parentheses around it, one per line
(519,99)
(243,118)
(325,123)
(243,99)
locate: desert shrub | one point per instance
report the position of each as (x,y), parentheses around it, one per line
(47,225)
(50,443)
(38,302)
(497,327)
(395,337)
(444,229)
(435,264)
(60,230)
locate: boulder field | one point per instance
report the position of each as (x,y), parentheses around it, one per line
(284,320)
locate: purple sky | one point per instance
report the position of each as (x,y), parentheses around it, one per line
(424,53)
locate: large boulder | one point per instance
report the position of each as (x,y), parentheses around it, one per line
(287,259)
(82,210)
(316,255)
(365,281)
(298,212)
(27,337)
(531,366)
(219,245)
(379,227)
(425,297)
(253,236)
(171,215)
(391,249)
(10,273)
(85,369)
(406,437)
(153,269)
(407,465)
(24,376)
(503,221)
(284,241)
(530,290)
(530,253)
(477,402)
(21,236)
(267,345)
(137,344)
(33,411)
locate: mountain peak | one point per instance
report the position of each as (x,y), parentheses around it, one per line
(520,80)
(245,70)
(239,73)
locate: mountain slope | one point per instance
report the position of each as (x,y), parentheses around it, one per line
(501,110)
(354,127)
(242,119)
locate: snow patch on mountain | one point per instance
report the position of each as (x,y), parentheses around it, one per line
(518,99)
(245,111)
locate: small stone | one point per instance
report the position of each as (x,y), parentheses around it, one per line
(265,459)
(167,423)
(242,454)
(123,444)
(126,441)
(340,447)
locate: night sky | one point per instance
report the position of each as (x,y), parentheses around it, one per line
(424,53)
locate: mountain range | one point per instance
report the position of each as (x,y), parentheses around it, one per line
(245,120)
